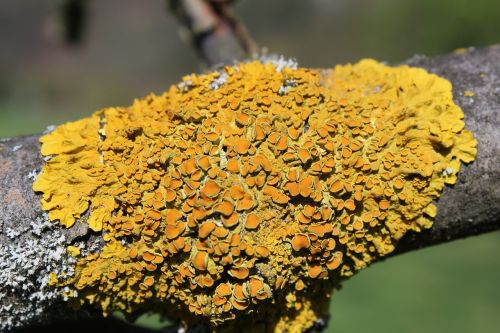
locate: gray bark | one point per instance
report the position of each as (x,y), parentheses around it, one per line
(31,247)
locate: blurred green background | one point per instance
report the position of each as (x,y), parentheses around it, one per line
(131,48)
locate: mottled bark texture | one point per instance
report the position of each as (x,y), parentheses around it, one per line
(30,246)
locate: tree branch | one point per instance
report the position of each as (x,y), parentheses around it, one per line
(31,247)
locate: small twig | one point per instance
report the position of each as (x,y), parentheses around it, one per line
(224,9)
(217,35)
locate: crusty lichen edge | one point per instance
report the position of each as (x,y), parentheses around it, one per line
(305,102)
(27,261)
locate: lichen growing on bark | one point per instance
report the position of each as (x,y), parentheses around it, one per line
(254,190)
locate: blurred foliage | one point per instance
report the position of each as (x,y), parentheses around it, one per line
(447,288)
(132,48)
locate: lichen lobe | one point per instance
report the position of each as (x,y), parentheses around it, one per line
(256,195)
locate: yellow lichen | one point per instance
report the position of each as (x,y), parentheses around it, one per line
(256,195)
(73,250)
(469,93)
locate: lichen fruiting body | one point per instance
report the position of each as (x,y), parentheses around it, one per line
(256,195)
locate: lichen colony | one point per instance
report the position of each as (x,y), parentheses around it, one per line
(253,190)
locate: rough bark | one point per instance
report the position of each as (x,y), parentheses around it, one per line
(30,246)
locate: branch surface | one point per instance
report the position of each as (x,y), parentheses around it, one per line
(31,247)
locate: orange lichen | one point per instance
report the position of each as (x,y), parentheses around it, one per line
(257,194)
(252,221)
(300,241)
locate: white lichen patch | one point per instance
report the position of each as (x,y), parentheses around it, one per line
(27,257)
(286,86)
(16,148)
(219,81)
(279,62)
(448,171)
(33,175)
(49,129)
(185,85)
